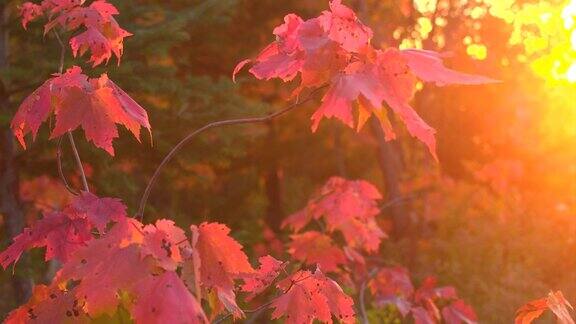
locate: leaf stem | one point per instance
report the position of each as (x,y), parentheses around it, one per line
(60,169)
(228,122)
(70,136)
(362,296)
(78,162)
(62,52)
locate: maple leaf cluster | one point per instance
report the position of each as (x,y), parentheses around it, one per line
(95,104)
(334,48)
(100,32)
(127,266)
(393,286)
(63,232)
(346,207)
(111,260)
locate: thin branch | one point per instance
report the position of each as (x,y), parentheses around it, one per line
(247,311)
(201,130)
(60,169)
(78,162)
(62,52)
(362,296)
(70,136)
(404,199)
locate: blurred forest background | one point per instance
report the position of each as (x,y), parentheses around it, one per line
(496,218)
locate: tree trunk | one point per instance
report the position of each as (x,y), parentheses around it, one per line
(9,200)
(389,158)
(273,183)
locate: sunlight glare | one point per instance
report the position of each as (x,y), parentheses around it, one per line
(571,73)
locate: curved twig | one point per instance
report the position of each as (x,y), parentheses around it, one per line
(78,162)
(247,311)
(61,171)
(70,136)
(62,52)
(229,122)
(362,296)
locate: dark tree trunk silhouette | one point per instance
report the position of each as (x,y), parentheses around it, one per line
(390,160)
(9,200)
(273,183)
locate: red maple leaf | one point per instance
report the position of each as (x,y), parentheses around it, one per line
(334,48)
(165,299)
(429,67)
(219,259)
(346,206)
(264,276)
(344,27)
(315,248)
(422,316)
(96,105)
(338,201)
(106,266)
(393,286)
(312,296)
(555,301)
(363,234)
(164,241)
(62,233)
(29,12)
(390,282)
(99,211)
(101,33)
(49,305)
(429,291)
(282,59)
(458,312)
(66,231)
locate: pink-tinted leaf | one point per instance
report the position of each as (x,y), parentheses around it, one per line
(401,84)
(316,248)
(96,105)
(62,233)
(421,316)
(308,296)
(264,276)
(239,67)
(100,33)
(99,211)
(33,111)
(29,12)
(390,282)
(459,312)
(92,40)
(107,266)
(555,301)
(344,27)
(559,306)
(220,261)
(163,241)
(428,66)
(346,206)
(49,305)
(165,299)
